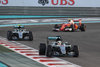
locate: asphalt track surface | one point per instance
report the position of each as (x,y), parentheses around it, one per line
(88,42)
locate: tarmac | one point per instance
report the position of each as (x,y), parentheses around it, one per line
(88,42)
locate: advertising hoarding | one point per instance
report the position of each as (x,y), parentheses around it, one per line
(51,3)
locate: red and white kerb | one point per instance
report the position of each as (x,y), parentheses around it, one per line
(34,54)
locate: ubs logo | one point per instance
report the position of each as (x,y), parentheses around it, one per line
(43,2)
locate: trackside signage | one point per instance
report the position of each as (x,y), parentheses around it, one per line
(51,3)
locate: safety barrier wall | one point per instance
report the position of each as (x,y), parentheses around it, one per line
(50,11)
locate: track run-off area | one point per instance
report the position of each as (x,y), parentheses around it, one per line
(88,41)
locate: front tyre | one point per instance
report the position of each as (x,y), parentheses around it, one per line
(9,35)
(49,52)
(76,51)
(82,27)
(30,36)
(42,49)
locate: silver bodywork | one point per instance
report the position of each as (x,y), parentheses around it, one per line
(62,47)
(20,32)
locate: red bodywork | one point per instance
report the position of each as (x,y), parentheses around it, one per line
(68,25)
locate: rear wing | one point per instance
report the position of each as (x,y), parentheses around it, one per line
(18,26)
(79,20)
(54,38)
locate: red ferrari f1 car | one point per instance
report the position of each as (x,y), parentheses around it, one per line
(70,26)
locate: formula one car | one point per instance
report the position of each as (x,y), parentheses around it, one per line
(19,33)
(70,27)
(54,47)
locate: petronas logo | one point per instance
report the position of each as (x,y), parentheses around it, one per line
(43,2)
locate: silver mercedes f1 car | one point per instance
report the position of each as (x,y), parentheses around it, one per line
(19,33)
(55,47)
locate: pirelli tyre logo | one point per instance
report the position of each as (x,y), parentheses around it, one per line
(43,2)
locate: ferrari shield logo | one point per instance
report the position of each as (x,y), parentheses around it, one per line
(43,2)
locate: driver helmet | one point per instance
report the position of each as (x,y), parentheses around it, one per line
(19,24)
(70,20)
(59,42)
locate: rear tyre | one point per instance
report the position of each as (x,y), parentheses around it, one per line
(9,35)
(57,26)
(49,52)
(42,49)
(76,51)
(82,27)
(30,36)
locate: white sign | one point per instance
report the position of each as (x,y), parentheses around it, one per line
(51,3)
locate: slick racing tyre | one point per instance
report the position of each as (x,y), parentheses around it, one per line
(76,51)
(30,36)
(56,26)
(9,35)
(49,52)
(42,49)
(82,27)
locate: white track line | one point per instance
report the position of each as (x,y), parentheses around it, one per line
(34,55)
